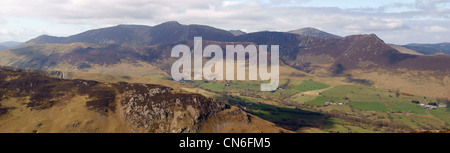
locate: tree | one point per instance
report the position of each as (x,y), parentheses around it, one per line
(443,101)
(338,69)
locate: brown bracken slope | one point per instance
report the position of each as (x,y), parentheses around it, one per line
(31,102)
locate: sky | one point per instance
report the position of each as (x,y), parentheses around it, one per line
(394,21)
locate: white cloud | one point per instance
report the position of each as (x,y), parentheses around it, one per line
(4,32)
(436,29)
(230,3)
(375,24)
(3,21)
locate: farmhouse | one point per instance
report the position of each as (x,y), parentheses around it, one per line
(428,107)
(333,103)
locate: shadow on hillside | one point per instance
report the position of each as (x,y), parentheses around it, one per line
(289,118)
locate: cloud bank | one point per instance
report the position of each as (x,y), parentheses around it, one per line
(401,21)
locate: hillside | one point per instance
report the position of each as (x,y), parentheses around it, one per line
(404,50)
(430,49)
(31,102)
(10,44)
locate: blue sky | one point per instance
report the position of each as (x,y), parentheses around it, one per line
(395,21)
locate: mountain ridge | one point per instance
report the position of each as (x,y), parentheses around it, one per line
(310,31)
(139,35)
(237,32)
(304,52)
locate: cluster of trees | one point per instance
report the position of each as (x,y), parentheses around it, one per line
(445,101)
(338,69)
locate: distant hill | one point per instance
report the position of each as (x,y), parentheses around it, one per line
(313,32)
(121,34)
(9,44)
(404,50)
(237,32)
(3,47)
(429,49)
(364,52)
(138,35)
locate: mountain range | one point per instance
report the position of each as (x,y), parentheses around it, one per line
(307,49)
(131,66)
(138,35)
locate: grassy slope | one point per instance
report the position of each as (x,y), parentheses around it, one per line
(303,88)
(72,116)
(360,101)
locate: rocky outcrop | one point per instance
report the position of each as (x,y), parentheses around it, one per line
(144,107)
(154,108)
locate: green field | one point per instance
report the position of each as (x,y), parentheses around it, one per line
(369,106)
(320,100)
(364,107)
(309,85)
(441,113)
(406,108)
(213,86)
(358,93)
(245,88)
